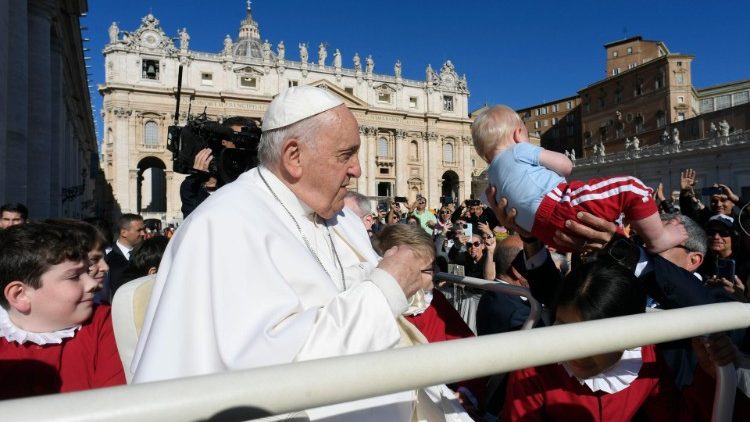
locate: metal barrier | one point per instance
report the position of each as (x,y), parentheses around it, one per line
(304,385)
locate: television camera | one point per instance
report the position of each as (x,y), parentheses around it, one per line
(199,132)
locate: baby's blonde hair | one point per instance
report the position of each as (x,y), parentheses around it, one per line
(404,235)
(493,128)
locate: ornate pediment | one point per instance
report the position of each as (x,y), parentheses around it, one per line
(350,100)
(248,71)
(448,79)
(384,89)
(149,37)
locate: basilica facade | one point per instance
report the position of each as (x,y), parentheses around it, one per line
(415,133)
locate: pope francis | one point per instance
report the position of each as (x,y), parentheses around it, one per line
(270,270)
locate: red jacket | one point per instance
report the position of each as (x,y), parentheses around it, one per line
(88,360)
(549,393)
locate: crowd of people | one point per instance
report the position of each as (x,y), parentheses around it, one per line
(284,265)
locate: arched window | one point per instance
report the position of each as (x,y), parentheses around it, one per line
(448,153)
(382,147)
(413,151)
(151,133)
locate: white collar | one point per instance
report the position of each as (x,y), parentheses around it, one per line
(616,378)
(124,249)
(12,332)
(287,197)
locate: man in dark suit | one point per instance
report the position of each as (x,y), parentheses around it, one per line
(130,234)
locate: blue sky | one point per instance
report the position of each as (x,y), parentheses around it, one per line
(516,53)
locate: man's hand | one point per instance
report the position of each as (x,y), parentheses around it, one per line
(687,180)
(506,217)
(729,193)
(406,267)
(589,234)
(715,350)
(736,288)
(202,160)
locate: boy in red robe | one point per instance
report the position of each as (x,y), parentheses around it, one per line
(52,337)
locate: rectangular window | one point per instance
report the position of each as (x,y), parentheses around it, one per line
(679,78)
(615,54)
(630,50)
(615,71)
(349,90)
(293,83)
(554,108)
(150,70)
(447,102)
(546,122)
(554,120)
(680,117)
(741,98)
(248,81)
(412,102)
(207,78)
(569,105)
(723,101)
(631,65)
(681,100)
(707,105)
(384,97)
(536,124)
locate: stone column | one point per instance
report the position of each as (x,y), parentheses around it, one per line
(402,155)
(371,132)
(362,154)
(16,158)
(464,185)
(39,107)
(57,119)
(432,190)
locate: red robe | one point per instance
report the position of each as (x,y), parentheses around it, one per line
(549,393)
(88,360)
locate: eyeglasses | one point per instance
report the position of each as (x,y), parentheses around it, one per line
(475,244)
(722,232)
(431,270)
(445,212)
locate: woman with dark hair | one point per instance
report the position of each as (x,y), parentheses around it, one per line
(614,386)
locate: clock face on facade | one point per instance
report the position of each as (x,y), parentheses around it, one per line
(150,39)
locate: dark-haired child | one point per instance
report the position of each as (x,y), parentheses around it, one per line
(52,336)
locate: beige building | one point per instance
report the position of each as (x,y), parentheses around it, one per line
(415,133)
(646,90)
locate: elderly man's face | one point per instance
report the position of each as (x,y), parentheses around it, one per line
(328,165)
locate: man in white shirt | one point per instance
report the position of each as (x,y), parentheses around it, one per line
(269,270)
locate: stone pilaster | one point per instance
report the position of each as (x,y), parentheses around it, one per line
(4,65)
(15,164)
(121,158)
(39,106)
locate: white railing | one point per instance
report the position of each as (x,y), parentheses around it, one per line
(303,385)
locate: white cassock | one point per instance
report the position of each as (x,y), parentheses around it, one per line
(238,288)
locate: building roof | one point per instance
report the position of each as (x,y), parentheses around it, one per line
(623,41)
